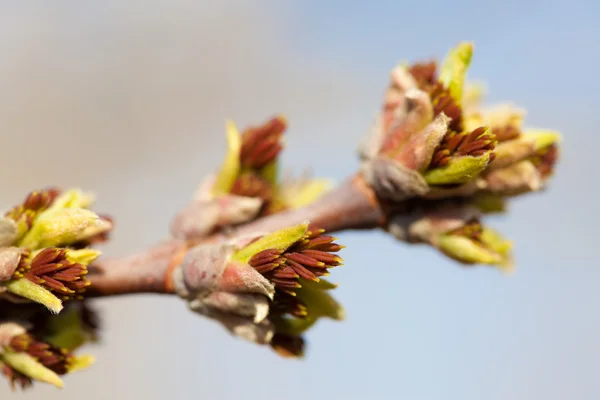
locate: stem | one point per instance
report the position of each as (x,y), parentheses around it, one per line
(352,205)
(143,272)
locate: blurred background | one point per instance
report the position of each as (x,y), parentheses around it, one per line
(129,98)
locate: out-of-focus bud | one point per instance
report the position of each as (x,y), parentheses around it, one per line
(262,144)
(456,231)
(527,145)
(521,177)
(454,69)
(317,303)
(474,244)
(302,191)
(200,218)
(26,357)
(505,120)
(473,95)
(426,146)
(259,284)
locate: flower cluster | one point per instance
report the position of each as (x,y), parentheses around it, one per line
(42,348)
(247,186)
(44,255)
(267,288)
(433,141)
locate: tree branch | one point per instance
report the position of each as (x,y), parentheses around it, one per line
(352,205)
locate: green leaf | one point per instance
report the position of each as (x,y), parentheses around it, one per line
(270,171)
(465,250)
(72,198)
(25,288)
(459,170)
(454,69)
(81,362)
(319,303)
(541,138)
(231,166)
(65,330)
(28,366)
(280,240)
(83,256)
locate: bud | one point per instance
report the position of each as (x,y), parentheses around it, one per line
(302,191)
(506,120)
(473,95)
(515,179)
(25,214)
(525,146)
(76,325)
(63,227)
(428,143)
(28,358)
(279,240)
(52,269)
(262,144)
(457,232)
(200,218)
(256,284)
(72,198)
(474,244)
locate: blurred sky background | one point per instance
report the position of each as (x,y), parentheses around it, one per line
(129,98)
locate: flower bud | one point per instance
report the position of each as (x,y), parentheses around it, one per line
(200,218)
(456,231)
(523,147)
(521,177)
(63,227)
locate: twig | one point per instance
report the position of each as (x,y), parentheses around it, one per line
(352,205)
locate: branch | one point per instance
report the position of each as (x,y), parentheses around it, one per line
(353,205)
(249,250)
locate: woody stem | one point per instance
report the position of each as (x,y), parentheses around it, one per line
(352,205)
